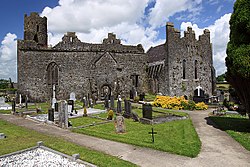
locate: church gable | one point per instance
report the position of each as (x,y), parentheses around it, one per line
(106,59)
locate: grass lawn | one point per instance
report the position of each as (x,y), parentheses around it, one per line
(19,138)
(5,111)
(178,137)
(236,126)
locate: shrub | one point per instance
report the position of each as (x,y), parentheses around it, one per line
(85,111)
(136,99)
(178,103)
(110,114)
(201,106)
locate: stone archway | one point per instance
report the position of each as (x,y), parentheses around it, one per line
(105,91)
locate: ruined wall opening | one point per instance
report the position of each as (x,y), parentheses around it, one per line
(184,69)
(195,69)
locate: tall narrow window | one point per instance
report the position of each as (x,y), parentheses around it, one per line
(184,69)
(195,70)
(52,74)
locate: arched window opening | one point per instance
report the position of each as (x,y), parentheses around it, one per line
(184,69)
(52,74)
(195,69)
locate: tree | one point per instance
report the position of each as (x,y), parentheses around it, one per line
(238,52)
(221,78)
(4,84)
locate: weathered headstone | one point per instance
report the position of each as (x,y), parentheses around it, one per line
(128,109)
(147,111)
(63,114)
(26,102)
(14,106)
(51,114)
(70,105)
(3,105)
(91,103)
(84,100)
(2,100)
(106,102)
(142,97)
(135,116)
(2,136)
(112,102)
(72,96)
(119,104)
(120,124)
(131,94)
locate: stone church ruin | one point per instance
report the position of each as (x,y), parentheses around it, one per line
(110,68)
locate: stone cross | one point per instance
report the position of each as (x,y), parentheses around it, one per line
(20,99)
(54,97)
(199,90)
(119,104)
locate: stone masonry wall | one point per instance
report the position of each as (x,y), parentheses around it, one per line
(190,50)
(83,68)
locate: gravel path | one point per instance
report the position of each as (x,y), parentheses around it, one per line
(218,149)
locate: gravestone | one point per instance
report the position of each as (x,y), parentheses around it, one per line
(119,104)
(147,111)
(131,94)
(128,109)
(90,103)
(135,116)
(84,102)
(3,105)
(63,114)
(2,136)
(106,102)
(199,95)
(51,114)
(53,101)
(70,106)
(112,103)
(120,124)
(26,102)
(142,96)
(14,106)
(72,96)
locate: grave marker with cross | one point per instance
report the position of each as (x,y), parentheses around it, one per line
(152,133)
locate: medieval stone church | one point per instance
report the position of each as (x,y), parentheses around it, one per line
(174,68)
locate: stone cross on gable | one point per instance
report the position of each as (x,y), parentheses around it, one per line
(199,90)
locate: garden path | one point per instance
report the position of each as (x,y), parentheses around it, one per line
(218,149)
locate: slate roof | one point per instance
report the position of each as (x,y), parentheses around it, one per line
(156,53)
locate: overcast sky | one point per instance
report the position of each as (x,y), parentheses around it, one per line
(134,22)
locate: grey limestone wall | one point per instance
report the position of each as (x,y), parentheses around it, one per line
(83,68)
(196,54)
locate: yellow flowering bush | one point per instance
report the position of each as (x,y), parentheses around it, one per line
(201,106)
(175,103)
(178,103)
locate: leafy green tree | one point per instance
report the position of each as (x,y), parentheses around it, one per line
(221,78)
(4,84)
(238,52)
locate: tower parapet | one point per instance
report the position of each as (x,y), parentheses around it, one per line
(35,28)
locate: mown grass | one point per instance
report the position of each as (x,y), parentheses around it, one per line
(150,97)
(5,111)
(178,137)
(238,127)
(19,138)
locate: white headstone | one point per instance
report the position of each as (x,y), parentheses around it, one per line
(72,96)
(2,100)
